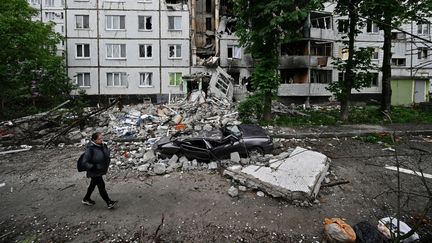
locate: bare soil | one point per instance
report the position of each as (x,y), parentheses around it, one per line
(41,199)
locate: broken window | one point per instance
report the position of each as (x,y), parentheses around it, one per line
(398,36)
(422,53)
(49,15)
(116,79)
(174,22)
(294,48)
(235,74)
(115,22)
(322,22)
(145,51)
(371,27)
(343,25)
(175,79)
(144,22)
(208,6)
(398,61)
(82,22)
(375,79)
(321,76)
(209,24)
(82,50)
(174,51)
(116,51)
(423,28)
(234,52)
(321,49)
(83,79)
(146,79)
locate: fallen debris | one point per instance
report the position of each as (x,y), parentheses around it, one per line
(410,172)
(24,148)
(297,177)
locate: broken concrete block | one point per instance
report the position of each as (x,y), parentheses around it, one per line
(242,188)
(233,192)
(173,160)
(298,177)
(143,168)
(207,127)
(194,163)
(212,166)
(177,119)
(149,156)
(260,194)
(183,160)
(235,157)
(159,168)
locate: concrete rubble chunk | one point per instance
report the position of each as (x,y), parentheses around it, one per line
(242,188)
(173,160)
(233,191)
(159,168)
(297,177)
(212,166)
(143,168)
(149,156)
(235,157)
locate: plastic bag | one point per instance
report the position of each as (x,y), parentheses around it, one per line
(388,227)
(367,233)
(336,230)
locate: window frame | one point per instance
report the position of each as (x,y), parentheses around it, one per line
(122,79)
(174,23)
(175,51)
(84,75)
(83,21)
(142,83)
(82,51)
(112,51)
(234,47)
(145,51)
(113,17)
(51,3)
(175,79)
(144,24)
(397,64)
(423,53)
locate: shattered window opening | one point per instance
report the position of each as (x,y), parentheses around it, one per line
(234,52)
(146,79)
(371,27)
(423,28)
(145,23)
(322,23)
(398,61)
(175,79)
(321,49)
(115,22)
(321,76)
(209,24)
(174,23)
(116,79)
(174,51)
(422,53)
(208,6)
(82,22)
(343,25)
(82,50)
(83,79)
(116,51)
(145,51)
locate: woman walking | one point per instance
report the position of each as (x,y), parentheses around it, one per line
(96,161)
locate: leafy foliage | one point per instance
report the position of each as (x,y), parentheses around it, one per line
(30,70)
(262,25)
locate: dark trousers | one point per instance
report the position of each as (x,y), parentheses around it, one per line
(99,182)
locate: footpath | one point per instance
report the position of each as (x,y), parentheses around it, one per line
(349,130)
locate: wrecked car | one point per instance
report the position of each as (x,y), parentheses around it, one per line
(244,139)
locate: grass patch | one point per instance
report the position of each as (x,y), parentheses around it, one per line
(380,138)
(357,115)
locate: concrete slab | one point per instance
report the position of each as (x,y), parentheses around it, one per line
(297,177)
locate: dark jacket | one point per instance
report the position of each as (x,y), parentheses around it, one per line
(96,159)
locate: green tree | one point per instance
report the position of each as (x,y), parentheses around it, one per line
(29,66)
(356,68)
(390,14)
(262,26)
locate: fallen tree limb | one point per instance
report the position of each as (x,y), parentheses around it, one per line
(78,121)
(336,183)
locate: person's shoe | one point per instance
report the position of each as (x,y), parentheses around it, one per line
(111,204)
(88,202)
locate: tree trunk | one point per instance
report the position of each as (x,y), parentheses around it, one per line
(353,19)
(267,116)
(386,68)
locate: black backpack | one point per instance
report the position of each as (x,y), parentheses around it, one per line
(80,164)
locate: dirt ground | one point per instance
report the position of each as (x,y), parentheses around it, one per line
(41,199)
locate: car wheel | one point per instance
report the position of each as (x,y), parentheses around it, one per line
(256,150)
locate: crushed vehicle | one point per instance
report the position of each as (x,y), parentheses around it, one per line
(243,138)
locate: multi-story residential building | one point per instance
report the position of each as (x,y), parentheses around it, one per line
(149,48)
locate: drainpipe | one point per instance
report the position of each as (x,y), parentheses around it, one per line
(193,31)
(160,49)
(98,48)
(66,38)
(216,16)
(307,102)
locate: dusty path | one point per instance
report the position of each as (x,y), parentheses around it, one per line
(41,200)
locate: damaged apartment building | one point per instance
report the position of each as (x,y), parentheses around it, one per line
(158,49)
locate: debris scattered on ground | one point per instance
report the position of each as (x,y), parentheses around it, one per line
(388,226)
(296,177)
(336,230)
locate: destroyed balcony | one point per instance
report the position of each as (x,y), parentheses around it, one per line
(286,61)
(320,26)
(305,89)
